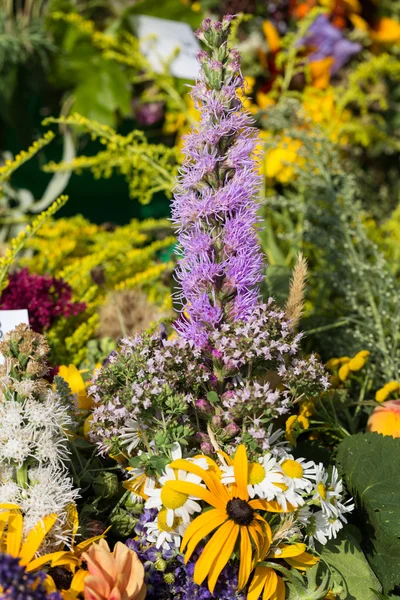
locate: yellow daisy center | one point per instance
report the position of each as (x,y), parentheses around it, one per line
(256,473)
(162,521)
(172,499)
(292,469)
(322,490)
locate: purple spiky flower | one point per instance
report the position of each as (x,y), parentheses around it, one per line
(215,206)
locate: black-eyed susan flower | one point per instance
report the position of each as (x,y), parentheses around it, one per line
(234,519)
(265,580)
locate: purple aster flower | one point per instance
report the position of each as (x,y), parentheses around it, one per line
(17,584)
(215,206)
(328,41)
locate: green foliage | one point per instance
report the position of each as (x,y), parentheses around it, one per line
(348,566)
(354,294)
(148,168)
(370,467)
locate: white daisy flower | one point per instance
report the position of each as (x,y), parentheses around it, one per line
(322,528)
(329,494)
(177,504)
(263,477)
(163,535)
(130,435)
(299,473)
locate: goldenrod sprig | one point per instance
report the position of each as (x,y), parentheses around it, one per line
(19,242)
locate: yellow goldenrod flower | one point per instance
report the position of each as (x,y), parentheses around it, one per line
(77,385)
(233,515)
(279,161)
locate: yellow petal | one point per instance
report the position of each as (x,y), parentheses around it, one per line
(223,556)
(35,538)
(264,579)
(302,561)
(77,583)
(14,534)
(272,36)
(241,470)
(211,550)
(55,558)
(77,385)
(321,72)
(279,593)
(287,550)
(82,546)
(344,372)
(271,506)
(200,528)
(209,478)
(193,489)
(245,558)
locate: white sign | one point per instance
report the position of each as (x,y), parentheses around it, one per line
(160,38)
(10,319)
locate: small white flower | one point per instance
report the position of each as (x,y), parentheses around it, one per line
(177,504)
(263,477)
(329,494)
(322,528)
(164,535)
(299,473)
(130,435)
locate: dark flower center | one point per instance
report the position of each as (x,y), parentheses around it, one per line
(240,511)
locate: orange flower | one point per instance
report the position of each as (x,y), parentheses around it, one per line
(117,575)
(386,419)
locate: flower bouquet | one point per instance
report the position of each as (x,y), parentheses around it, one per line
(223,507)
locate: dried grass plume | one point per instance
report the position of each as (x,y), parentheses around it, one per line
(295,303)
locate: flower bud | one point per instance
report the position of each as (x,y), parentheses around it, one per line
(207,449)
(123,523)
(230,431)
(105,484)
(204,407)
(385,419)
(217,421)
(94,528)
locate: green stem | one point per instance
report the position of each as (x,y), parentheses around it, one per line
(22,476)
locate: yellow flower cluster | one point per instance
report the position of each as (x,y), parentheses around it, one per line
(23,237)
(96,263)
(148,168)
(344,366)
(392,387)
(12,165)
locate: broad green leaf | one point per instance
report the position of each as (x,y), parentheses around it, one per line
(349,567)
(370,464)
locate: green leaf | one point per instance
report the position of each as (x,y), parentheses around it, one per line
(213,397)
(104,92)
(370,464)
(349,567)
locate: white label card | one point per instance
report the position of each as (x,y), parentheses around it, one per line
(10,319)
(160,38)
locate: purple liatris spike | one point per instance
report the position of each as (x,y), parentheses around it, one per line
(215,206)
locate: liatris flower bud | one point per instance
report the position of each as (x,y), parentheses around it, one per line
(214,205)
